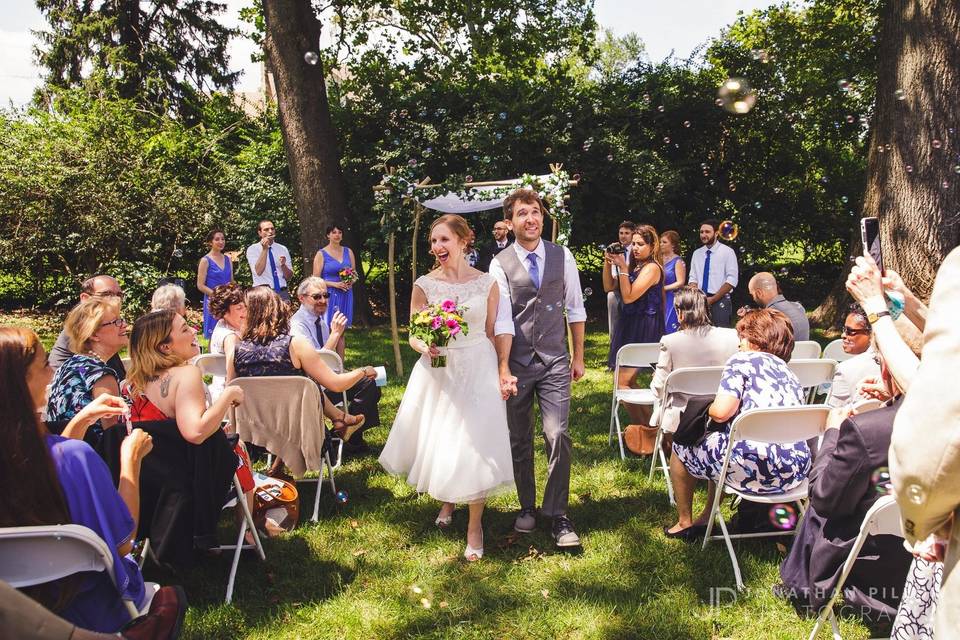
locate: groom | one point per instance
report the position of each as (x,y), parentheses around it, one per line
(538,280)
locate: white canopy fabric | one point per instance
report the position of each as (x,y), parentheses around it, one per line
(454,203)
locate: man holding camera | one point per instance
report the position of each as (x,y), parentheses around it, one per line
(624,236)
(714,270)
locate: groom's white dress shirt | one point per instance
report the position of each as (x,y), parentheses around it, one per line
(571,280)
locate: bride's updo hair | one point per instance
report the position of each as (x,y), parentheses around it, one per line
(457,224)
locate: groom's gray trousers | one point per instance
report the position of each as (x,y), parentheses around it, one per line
(550,384)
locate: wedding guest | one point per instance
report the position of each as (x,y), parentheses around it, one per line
(863,364)
(188,477)
(675,276)
(49,479)
(765,292)
(924,457)
(641,312)
(96,333)
(472,254)
(96,286)
(310,322)
(228,305)
(169,296)
(843,487)
(713,268)
(270,263)
(267,348)
(215,269)
(328,263)
(755,378)
(696,344)
(624,237)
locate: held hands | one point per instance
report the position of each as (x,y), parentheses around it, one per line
(103,406)
(136,446)
(508,384)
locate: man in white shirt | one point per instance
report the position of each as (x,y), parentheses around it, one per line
(310,322)
(538,281)
(269,260)
(624,237)
(713,268)
(501,240)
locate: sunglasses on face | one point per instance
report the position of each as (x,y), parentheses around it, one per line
(319,296)
(849,331)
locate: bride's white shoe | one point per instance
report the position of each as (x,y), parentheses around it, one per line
(445,521)
(471,554)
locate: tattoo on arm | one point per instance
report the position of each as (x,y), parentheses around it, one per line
(165,385)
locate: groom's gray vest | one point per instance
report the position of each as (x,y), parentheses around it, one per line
(537,315)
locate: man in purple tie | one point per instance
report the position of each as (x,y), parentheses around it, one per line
(713,268)
(269,260)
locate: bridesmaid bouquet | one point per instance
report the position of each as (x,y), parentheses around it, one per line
(437,325)
(348,275)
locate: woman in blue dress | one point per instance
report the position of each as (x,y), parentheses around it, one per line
(674,274)
(757,377)
(328,263)
(215,269)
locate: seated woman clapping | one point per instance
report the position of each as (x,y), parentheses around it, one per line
(188,477)
(48,479)
(266,348)
(755,378)
(96,333)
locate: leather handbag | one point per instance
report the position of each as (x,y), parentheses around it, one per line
(276,505)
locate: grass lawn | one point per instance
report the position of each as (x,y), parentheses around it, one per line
(370,567)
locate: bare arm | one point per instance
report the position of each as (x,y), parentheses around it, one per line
(681,271)
(305,357)
(418,300)
(202,277)
(104,405)
(261,263)
(195,421)
(493,299)
(577,368)
(724,407)
(318,263)
(106,385)
(134,447)
(724,289)
(285,268)
(631,292)
(608,282)
(229,349)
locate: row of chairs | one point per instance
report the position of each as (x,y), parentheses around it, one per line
(39,554)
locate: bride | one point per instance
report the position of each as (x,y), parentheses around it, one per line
(450,435)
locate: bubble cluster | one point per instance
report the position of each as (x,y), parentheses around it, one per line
(880,479)
(736,96)
(783,516)
(342,497)
(728,230)
(311,57)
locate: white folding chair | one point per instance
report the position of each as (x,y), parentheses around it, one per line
(883,519)
(867,405)
(691,381)
(834,351)
(778,425)
(812,373)
(35,555)
(637,355)
(332,360)
(805,350)
(214,364)
(302,390)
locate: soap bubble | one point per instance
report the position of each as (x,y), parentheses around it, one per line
(412,162)
(311,57)
(646,97)
(880,149)
(850,119)
(936,144)
(342,496)
(732,186)
(783,516)
(728,230)
(900,94)
(576,177)
(880,479)
(177,253)
(736,96)
(956,169)
(468,179)
(686,123)
(503,116)
(945,184)
(518,129)
(909,168)
(661,108)
(610,157)
(666,140)
(843,84)
(587,292)
(549,308)
(548,150)
(916,494)
(718,102)
(756,205)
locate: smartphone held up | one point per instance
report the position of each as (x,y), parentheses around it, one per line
(870,235)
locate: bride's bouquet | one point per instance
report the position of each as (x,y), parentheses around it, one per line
(437,325)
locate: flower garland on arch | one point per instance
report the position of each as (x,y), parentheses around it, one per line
(399,185)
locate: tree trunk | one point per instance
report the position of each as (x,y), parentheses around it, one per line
(913,184)
(319,190)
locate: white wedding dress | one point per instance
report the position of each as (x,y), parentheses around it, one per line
(450,435)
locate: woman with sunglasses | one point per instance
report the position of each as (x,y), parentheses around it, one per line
(857,342)
(96,333)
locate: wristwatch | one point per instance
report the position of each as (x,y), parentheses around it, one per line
(873,317)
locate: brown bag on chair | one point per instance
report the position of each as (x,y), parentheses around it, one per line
(640,439)
(276,505)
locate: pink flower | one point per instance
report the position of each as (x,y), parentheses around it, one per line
(454,330)
(437,322)
(449,306)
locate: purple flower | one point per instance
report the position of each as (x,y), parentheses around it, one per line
(455,329)
(437,322)
(449,306)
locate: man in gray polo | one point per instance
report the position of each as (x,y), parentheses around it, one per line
(538,281)
(765,292)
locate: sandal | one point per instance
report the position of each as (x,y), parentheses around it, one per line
(345,431)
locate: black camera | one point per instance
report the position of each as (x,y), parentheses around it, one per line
(614,247)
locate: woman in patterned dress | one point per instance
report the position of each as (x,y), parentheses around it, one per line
(755,378)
